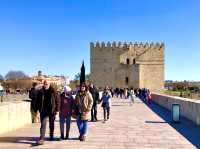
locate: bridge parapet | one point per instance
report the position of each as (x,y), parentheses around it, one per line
(190,108)
(14,115)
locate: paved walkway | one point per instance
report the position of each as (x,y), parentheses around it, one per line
(130,127)
(14,97)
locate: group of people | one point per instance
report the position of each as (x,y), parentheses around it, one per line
(49,103)
(130,93)
(144,94)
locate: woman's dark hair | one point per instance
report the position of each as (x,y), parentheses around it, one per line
(34,84)
(84,84)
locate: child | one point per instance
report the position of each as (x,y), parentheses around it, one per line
(67,102)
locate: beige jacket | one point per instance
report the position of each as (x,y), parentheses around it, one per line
(85,106)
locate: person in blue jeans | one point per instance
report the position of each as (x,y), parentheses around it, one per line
(84,102)
(82,127)
(66,104)
(106,103)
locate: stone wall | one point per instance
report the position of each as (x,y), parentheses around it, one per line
(145,68)
(14,115)
(189,108)
(104,62)
(152,77)
(130,71)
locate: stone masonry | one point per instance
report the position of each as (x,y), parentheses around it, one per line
(136,65)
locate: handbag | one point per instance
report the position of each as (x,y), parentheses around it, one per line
(75,111)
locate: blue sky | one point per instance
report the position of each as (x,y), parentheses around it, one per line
(54,35)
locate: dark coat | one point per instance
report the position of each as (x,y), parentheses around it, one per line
(95,95)
(33,96)
(54,101)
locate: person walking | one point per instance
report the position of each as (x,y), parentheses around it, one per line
(1,92)
(112,92)
(66,104)
(106,103)
(125,93)
(48,106)
(84,102)
(121,93)
(131,96)
(95,95)
(148,96)
(117,92)
(33,96)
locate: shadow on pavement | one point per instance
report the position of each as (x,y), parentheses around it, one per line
(186,127)
(73,139)
(154,122)
(119,105)
(22,140)
(27,140)
(89,121)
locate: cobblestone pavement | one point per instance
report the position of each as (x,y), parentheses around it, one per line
(130,127)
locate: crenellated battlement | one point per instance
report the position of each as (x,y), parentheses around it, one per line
(125,44)
(127,64)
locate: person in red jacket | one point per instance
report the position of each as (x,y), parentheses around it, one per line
(66,105)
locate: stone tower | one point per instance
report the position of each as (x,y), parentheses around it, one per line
(136,65)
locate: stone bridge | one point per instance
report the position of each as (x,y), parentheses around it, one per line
(137,126)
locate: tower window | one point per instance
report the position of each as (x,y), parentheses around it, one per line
(126,80)
(127,61)
(133,61)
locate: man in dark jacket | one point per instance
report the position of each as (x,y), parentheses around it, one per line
(95,95)
(48,105)
(33,97)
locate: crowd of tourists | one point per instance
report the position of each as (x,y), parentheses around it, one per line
(48,103)
(130,93)
(80,104)
(144,94)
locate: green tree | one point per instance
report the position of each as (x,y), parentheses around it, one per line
(82,75)
(77,77)
(14,75)
(1,78)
